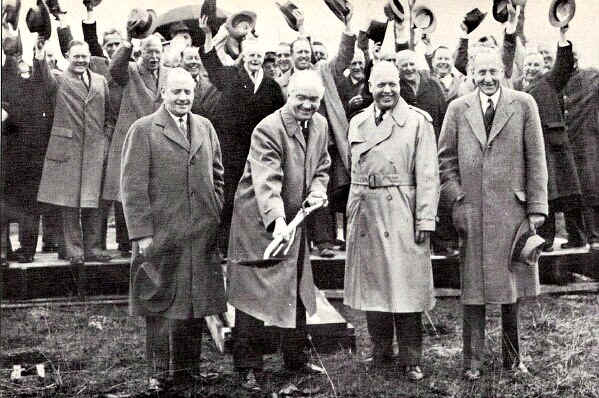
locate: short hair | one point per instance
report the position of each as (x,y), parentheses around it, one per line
(252,42)
(383,65)
(403,54)
(437,49)
(110,32)
(196,50)
(486,51)
(76,42)
(318,43)
(305,77)
(298,40)
(270,57)
(178,72)
(152,39)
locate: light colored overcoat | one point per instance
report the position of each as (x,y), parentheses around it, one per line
(279,173)
(173,191)
(74,163)
(501,179)
(386,270)
(140,97)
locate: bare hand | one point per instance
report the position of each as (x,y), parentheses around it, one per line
(144,244)
(422,236)
(203,22)
(426,39)
(314,199)
(356,101)
(350,13)
(511,12)
(39,45)
(535,221)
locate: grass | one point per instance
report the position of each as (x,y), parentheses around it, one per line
(560,342)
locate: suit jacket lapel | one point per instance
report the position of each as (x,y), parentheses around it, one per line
(77,86)
(198,135)
(502,114)
(292,127)
(148,78)
(94,87)
(474,115)
(170,129)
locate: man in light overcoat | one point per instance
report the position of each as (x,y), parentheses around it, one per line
(172,191)
(391,211)
(286,168)
(494,175)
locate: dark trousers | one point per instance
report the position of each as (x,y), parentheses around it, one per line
(82,229)
(122,234)
(408,327)
(174,341)
(322,226)
(249,334)
(473,335)
(591,222)
(29,227)
(573,216)
(52,226)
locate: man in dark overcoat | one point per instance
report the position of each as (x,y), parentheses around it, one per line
(172,192)
(75,157)
(494,176)
(285,169)
(247,96)
(564,184)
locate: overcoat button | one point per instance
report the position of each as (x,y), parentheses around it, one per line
(363,234)
(386,234)
(389,197)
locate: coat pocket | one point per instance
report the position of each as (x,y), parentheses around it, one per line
(556,134)
(59,144)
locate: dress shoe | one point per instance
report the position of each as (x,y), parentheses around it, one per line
(379,361)
(573,245)
(14,255)
(99,258)
(414,373)
(77,260)
(49,248)
(325,250)
(3,262)
(159,384)
(472,374)
(306,369)
(24,258)
(248,380)
(125,253)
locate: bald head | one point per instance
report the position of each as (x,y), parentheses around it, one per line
(306,79)
(178,91)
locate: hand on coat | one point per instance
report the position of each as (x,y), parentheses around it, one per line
(314,199)
(143,245)
(421,236)
(459,215)
(535,221)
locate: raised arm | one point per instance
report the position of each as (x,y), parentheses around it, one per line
(119,64)
(563,67)
(509,40)
(220,76)
(41,69)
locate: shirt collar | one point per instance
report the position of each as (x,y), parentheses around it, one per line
(484,98)
(176,118)
(257,80)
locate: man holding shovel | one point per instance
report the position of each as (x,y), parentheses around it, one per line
(286,170)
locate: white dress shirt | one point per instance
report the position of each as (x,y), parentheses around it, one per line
(484,99)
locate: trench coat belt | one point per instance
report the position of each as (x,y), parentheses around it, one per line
(383,180)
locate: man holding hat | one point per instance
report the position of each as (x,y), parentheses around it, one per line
(172,192)
(482,133)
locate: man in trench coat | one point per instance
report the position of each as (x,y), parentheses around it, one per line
(391,211)
(286,168)
(494,174)
(74,163)
(172,191)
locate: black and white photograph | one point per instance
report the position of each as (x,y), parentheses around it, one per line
(299,198)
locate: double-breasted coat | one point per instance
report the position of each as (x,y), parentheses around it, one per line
(173,192)
(140,97)
(500,180)
(394,193)
(74,163)
(281,170)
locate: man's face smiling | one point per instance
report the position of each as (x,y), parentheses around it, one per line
(301,55)
(442,62)
(384,86)
(487,73)
(304,101)
(178,94)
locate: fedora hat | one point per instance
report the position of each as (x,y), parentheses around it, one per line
(234,20)
(141,23)
(209,10)
(527,245)
(376,31)
(473,19)
(500,12)
(394,9)
(38,20)
(287,10)
(54,7)
(10,11)
(149,288)
(12,45)
(424,18)
(339,8)
(178,27)
(91,3)
(561,12)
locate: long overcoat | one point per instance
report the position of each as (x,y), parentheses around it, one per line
(74,163)
(279,173)
(394,193)
(140,97)
(174,192)
(581,110)
(561,166)
(501,180)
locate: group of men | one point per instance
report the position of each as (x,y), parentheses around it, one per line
(204,155)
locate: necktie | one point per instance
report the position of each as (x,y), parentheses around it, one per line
(379,118)
(155,74)
(489,115)
(184,129)
(305,131)
(84,82)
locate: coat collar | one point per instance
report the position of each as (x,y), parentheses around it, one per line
(169,128)
(74,81)
(292,126)
(474,115)
(148,77)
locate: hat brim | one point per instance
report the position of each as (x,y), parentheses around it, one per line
(235,19)
(44,29)
(534,242)
(400,14)
(152,25)
(426,10)
(475,21)
(554,20)
(500,16)
(289,17)
(338,8)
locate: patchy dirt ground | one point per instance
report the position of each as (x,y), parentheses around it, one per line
(97,351)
